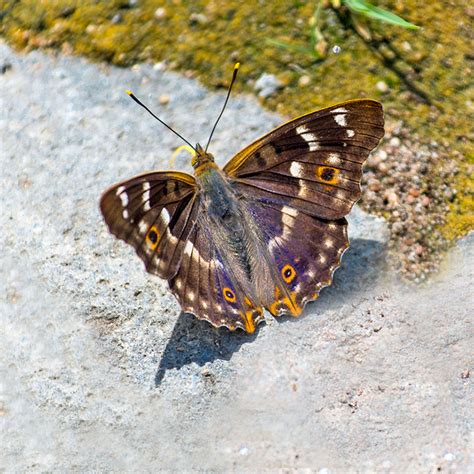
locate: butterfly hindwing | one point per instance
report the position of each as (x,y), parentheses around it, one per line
(313,163)
(205,285)
(303,250)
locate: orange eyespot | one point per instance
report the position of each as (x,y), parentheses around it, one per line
(153,237)
(229,295)
(288,273)
(327,174)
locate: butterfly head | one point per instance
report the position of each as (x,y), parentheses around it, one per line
(202,160)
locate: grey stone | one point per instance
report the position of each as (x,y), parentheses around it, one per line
(101,372)
(266,85)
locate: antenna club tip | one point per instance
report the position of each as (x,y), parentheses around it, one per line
(237,65)
(129,92)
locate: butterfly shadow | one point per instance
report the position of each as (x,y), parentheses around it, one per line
(197,341)
(363,265)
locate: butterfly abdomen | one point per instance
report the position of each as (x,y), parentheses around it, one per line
(226,218)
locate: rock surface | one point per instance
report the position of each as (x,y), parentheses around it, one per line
(101,372)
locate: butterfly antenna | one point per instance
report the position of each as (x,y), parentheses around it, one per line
(139,102)
(234,75)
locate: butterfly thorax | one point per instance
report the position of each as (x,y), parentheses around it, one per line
(202,161)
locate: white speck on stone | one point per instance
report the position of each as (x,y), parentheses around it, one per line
(161,66)
(244,451)
(449,457)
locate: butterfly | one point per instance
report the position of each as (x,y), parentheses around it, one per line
(265,232)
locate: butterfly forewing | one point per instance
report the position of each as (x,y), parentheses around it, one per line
(315,161)
(153,212)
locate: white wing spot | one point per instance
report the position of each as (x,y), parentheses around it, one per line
(322,259)
(289,210)
(125,214)
(191,296)
(332,226)
(142,226)
(350,133)
(179,284)
(188,248)
(123,196)
(146,195)
(334,159)
(302,129)
(296,169)
(204,304)
(309,138)
(165,215)
(273,244)
(328,243)
(303,191)
(311,274)
(339,110)
(341,120)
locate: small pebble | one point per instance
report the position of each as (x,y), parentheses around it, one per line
(375,186)
(117,18)
(160,13)
(198,19)
(164,99)
(161,66)
(304,81)
(382,86)
(90,29)
(395,142)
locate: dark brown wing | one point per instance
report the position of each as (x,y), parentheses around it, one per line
(312,163)
(153,212)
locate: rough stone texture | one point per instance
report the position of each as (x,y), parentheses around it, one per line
(101,372)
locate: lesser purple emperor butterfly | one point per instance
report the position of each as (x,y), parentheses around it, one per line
(265,232)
